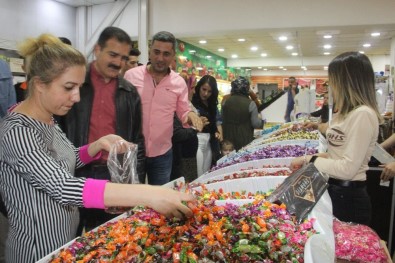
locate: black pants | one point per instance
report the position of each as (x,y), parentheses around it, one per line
(90,217)
(351,204)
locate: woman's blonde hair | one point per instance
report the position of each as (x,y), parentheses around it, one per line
(352,80)
(48,57)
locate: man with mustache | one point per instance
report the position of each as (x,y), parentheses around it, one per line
(109,105)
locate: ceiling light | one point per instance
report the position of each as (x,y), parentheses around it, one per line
(366,45)
(248,69)
(208,56)
(326,68)
(280,67)
(241,40)
(375,34)
(263,55)
(234,56)
(326,53)
(289,47)
(202,41)
(192,51)
(265,69)
(284,69)
(221,50)
(327,46)
(294,54)
(254,48)
(303,67)
(327,36)
(362,52)
(199,68)
(282,38)
(259,67)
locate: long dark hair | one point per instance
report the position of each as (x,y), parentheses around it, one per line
(212,101)
(351,78)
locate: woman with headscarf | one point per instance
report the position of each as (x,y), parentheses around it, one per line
(240,115)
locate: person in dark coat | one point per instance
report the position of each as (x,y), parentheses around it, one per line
(240,115)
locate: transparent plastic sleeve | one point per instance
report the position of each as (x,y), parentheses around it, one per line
(122,164)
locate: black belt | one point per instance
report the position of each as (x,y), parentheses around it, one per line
(350,184)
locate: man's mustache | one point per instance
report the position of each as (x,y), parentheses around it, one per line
(114,67)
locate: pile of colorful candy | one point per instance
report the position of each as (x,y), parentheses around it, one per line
(258,232)
(270,151)
(357,243)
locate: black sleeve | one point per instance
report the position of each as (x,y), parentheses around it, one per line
(180,133)
(138,138)
(316,113)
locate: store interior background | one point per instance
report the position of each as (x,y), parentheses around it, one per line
(260,22)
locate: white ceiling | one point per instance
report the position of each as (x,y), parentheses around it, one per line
(308,42)
(77,3)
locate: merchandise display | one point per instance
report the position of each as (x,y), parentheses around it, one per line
(235,219)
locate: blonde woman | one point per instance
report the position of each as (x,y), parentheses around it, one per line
(37,161)
(351,137)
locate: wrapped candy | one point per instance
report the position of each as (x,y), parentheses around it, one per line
(357,243)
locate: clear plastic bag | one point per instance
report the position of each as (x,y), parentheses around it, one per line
(122,163)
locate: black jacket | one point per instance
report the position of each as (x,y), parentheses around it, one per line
(128,118)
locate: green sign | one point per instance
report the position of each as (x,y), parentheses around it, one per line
(196,61)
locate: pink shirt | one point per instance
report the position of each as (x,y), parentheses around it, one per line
(158,105)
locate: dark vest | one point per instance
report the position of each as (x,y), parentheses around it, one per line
(236,123)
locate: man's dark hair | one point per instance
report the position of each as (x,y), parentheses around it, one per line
(164,36)
(113,32)
(134,52)
(65,40)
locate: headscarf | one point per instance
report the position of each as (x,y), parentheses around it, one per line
(240,86)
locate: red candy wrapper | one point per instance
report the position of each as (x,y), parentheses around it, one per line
(357,243)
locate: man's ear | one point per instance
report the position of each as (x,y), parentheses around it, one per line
(96,50)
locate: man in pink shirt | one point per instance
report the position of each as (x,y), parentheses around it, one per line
(162,93)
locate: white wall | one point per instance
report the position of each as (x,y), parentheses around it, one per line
(20,19)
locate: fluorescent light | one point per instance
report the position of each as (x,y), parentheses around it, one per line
(282,38)
(325,67)
(234,56)
(375,34)
(366,45)
(208,56)
(202,41)
(221,50)
(280,67)
(241,39)
(326,53)
(263,55)
(254,48)
(289,47)
(362,52)
(284,69)
(294,54)
(327,46)
(192,51)
(327,36)
(259,67)
(265,69)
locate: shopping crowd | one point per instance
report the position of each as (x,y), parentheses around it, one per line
(54,179)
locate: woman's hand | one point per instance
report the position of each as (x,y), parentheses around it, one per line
(388,172)
(218,135)
(104,143)
(297,163)
(170,203)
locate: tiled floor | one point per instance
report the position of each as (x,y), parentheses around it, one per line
(3,236)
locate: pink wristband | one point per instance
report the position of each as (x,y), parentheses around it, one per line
(93,193)
(84,156)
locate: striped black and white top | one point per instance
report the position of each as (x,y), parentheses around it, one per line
(39,189)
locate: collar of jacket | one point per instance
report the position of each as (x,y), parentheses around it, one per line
(120,80)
